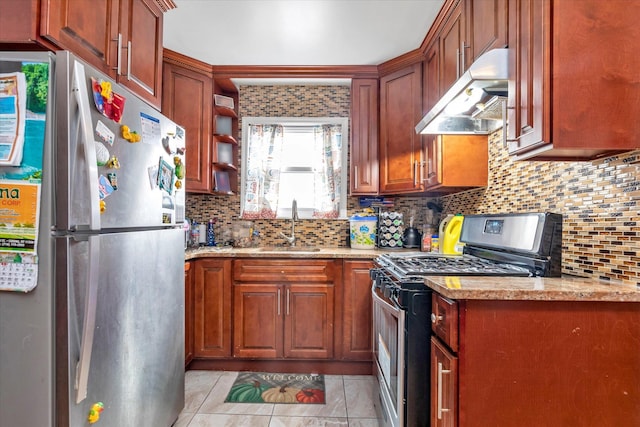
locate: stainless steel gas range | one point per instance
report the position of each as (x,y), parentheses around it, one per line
(527,244)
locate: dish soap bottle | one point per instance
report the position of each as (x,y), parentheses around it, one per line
(211,237)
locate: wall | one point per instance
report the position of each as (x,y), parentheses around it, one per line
(290,101)
(599,202)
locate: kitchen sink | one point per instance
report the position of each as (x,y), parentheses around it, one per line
(289,249)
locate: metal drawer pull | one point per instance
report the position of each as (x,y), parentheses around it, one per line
(435,319)
(441,372)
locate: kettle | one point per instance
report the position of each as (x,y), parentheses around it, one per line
(411,238)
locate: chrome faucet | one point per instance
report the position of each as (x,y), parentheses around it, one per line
(294,217)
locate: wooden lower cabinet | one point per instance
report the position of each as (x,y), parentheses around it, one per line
(291,321)
(444,386)
(535,363)
(188,312)
(283,314)
(357,311)
(212,307)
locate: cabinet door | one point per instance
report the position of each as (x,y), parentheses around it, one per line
(19,21)
(455,162)
(453,48)
(364,137)
(141,27)
(444,386)
(212,308)
(257,320)
(529,70)
(486,26)
(357,319)
(188,312)
(88,29)
(400,146)
(308,325)
(431,76)
(186,99)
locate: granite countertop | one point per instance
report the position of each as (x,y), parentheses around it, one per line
(281,252)
(533,288)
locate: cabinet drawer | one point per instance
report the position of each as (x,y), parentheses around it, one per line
(444,320)
(284,270)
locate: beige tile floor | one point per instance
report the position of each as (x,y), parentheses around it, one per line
(350,403)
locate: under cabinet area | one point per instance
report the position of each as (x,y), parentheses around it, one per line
(536,362)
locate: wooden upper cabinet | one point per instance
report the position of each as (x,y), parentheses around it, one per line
(187,99)
(400,146)
(456,162)
(364,171)
(431,76)
(573,91)
(454,47)
(486,26)
(88,29)
(20,25)
(141,27)
(123,39)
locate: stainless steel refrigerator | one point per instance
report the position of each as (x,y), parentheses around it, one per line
(100,338)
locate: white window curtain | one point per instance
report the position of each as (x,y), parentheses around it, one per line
(265,166)
(263,171)
(327,171)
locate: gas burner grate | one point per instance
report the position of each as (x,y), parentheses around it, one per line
(451,265)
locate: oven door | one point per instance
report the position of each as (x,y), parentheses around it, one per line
(388,337)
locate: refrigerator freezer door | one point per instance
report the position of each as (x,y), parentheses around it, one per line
(136,366)
(133,195)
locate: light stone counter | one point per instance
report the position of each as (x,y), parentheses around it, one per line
(532,288)
(208,251)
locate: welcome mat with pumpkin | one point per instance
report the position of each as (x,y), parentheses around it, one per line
(262,387)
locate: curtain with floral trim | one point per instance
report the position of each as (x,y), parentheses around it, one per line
(327,171)
(263,171)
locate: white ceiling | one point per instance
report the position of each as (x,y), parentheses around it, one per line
(297,32)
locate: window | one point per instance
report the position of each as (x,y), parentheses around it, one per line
(294,158)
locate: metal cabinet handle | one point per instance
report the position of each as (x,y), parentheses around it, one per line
(278,302)
(441,372)
(457,63)
(416,164)
(463,57)
(288,293)
(435,319)
(118,62)
(355,177)
(129,60)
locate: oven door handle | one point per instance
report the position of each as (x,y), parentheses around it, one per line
(385,304)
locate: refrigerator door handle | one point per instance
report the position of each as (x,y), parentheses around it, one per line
(88,327)
(82,98)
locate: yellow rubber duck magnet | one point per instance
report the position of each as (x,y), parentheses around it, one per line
(94,412)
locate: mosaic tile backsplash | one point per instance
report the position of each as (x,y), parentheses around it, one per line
(598,200)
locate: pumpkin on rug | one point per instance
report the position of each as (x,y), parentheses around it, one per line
(262,387)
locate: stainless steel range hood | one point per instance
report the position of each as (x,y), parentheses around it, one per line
(473,105)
